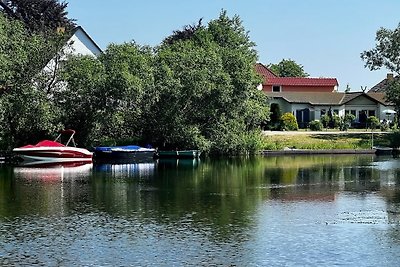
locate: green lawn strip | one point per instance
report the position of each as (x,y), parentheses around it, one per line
(324,141)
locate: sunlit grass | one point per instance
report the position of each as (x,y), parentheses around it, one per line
(328,141)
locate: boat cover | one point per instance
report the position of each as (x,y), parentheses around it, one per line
(45,143)
(117,148)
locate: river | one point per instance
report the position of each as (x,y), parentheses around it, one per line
(260,211)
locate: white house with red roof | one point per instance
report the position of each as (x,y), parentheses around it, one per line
(273,83)
(310,98)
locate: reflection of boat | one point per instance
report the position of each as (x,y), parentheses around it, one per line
(54,151)
(52,172)
(179,154)
(182,163)
(127,169)
(131,152)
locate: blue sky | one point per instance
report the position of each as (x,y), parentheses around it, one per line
(325,36)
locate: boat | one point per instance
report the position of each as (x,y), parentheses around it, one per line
(55,151)
(387,151)
(178,154)
(123,153)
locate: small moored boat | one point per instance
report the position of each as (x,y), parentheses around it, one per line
(55,151)
(130,152)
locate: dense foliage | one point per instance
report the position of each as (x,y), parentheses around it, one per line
(38,15)
(196,90)
(288,68)
(25,112)
(386,54)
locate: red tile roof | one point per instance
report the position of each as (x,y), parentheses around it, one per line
(271,79)
(264,71)
(300,81)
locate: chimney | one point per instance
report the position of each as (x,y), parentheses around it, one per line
(389,77)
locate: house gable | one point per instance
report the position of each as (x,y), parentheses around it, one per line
(273,83)
(80,43)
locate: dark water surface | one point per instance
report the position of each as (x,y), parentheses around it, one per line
(264,211)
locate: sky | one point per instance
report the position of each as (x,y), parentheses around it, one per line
(326,37)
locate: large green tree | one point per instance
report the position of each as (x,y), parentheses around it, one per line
(25,111)
(206,85)
(288,68)
(38,15)
(386,54)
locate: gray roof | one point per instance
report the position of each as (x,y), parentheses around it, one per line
(325,98)
(382,85)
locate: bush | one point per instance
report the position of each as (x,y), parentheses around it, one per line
(316,125)
(289,122)
(372,122)
(330,122)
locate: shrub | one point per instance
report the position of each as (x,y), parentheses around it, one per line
(316,125)
(330,121)
(372,122)
(346,121)
(289,122)
(325,120)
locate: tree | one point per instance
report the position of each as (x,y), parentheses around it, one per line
(129,90)
(386,54)
(39,15)
(25,111)
(206,89)
(288,68)
(80,101)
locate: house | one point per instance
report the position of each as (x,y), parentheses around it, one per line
(82,44)
(77,43)
(273,83)
(309,106)
(311,98)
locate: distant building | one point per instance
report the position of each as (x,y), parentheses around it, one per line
(273,83)
(310,98)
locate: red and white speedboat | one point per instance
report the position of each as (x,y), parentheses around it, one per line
(55,151)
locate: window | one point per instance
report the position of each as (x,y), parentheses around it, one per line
(276,88)
(336,111)
(371,113)
(353,112)
(323,112)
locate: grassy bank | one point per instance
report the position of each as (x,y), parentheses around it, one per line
(324,141)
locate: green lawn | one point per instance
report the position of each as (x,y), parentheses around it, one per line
(325,141)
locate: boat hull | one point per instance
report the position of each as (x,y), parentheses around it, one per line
(54,154)
(123,153)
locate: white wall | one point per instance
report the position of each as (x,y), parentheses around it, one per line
(83,45)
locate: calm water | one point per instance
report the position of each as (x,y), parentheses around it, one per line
(266,211)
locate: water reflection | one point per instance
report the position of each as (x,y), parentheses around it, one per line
(240,211)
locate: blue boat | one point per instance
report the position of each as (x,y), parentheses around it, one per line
(126,153)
